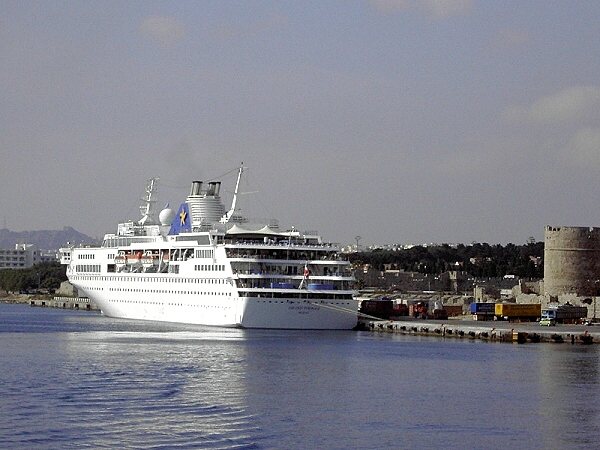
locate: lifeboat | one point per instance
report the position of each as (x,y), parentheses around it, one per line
(148,260)
(134,258)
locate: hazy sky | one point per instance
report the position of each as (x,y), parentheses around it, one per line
(401,121)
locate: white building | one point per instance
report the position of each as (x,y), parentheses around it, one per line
(23,256)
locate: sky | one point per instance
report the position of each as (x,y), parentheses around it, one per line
(399,121)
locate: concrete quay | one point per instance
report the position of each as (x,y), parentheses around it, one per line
(65,303)
(493,331)
(43,301)
(55,302)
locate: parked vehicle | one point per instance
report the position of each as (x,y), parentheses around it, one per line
(565,313)
(518,311)
(483,311)
(547,322)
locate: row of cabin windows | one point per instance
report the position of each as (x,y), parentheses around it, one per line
(88,268)
(166,291)
(143,302)
(300,296)
(157,279)
(204,253)
(214,267)
(111,256)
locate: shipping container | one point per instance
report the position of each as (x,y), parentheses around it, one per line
(483,308)
(518,311)
(400,309)
(454,310)
(381,309)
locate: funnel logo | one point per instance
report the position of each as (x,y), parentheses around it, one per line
(181,222)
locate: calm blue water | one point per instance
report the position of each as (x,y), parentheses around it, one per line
(72,379)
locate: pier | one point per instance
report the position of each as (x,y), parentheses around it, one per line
(494,331)
(81,303)
(65,303)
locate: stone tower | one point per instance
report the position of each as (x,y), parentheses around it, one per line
(572,261)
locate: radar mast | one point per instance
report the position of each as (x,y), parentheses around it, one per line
(148,203)
(231,211)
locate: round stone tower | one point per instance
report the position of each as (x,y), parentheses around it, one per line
(572,261)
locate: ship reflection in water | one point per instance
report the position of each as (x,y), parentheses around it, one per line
(163,388)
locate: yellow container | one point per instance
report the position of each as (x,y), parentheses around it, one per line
(518,309)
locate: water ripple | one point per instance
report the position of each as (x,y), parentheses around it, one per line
(90,382)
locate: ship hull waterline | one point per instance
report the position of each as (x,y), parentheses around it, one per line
(243,312)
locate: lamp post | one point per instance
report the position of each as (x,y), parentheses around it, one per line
(595,298)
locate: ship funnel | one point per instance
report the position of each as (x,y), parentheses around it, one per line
(196,188)
(213,189)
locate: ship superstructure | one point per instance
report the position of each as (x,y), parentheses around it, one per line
(204,265)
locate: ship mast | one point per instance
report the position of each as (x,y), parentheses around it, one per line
(147,207)
(231,211)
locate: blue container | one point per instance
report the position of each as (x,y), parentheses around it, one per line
(483,308)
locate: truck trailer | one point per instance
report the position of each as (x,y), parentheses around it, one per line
(563,314)
(529,312)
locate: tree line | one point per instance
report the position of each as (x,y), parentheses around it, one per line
(45,276)
(479,260)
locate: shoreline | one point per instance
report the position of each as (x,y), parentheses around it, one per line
(496,331)
(49,301)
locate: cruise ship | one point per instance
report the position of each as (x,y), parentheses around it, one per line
(203,264)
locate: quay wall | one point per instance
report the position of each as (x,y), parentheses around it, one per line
(499,332)
(66,303)
(82,303)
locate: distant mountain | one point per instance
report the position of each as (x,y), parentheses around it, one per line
(43,239)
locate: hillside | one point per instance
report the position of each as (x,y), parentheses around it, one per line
(43,239)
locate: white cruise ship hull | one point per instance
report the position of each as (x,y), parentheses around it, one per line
(299,315)
(243,312)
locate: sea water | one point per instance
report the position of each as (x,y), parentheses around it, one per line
(76,379)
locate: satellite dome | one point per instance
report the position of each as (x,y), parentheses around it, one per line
(166,216)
